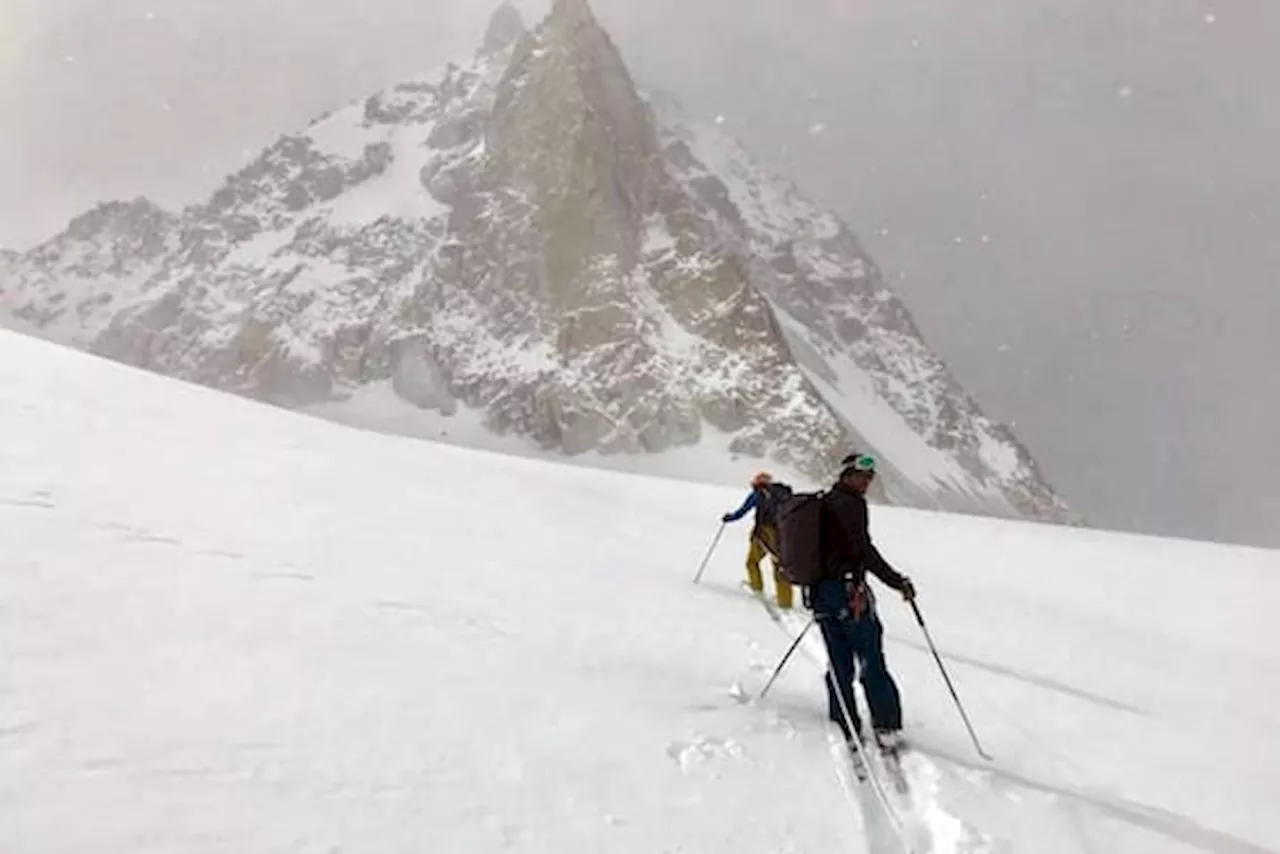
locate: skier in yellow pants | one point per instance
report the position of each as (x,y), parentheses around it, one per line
(766,496)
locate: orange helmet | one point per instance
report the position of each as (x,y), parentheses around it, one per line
(761,478)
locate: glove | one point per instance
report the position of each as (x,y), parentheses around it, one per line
(728,517)
(908,589)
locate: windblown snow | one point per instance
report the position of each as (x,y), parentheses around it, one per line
(232,628)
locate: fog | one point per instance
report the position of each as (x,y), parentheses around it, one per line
(1080,203)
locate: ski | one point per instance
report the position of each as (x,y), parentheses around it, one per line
(891,760)
(858,763)
(884,826)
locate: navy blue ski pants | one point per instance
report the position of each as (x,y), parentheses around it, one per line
(857,647)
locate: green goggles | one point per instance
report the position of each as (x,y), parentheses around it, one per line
(860,463)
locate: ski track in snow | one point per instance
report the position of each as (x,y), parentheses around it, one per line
(929,827)
(1023,676)
(232,628)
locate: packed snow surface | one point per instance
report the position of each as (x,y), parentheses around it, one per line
(229,628)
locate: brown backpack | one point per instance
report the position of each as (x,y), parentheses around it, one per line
(800,527)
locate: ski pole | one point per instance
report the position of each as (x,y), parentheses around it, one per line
(702,568)
(783,663)
(950,687)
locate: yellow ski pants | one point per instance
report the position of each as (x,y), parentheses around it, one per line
(764,542)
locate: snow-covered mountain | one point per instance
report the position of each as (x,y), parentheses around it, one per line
(230,628)
(527,247)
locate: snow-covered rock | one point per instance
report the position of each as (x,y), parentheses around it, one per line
(69,287)
(530,240)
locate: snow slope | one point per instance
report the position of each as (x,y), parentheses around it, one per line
(231,628)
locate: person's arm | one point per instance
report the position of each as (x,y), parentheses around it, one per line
(743,510)
(857,525)
(879,567)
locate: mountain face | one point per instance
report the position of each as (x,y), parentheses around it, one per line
(528,243)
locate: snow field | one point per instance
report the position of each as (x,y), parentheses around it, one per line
(229,628)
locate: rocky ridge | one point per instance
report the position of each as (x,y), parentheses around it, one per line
(528,239)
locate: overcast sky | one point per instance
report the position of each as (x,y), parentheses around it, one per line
(1079,202)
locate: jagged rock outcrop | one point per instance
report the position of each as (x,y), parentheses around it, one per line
(69,287)
(529,241)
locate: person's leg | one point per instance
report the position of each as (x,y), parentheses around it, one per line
(883,699)
(786,596)
(840,674)
(769,536)
(755,554)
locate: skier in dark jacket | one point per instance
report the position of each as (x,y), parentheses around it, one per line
(845,610)
(765,497)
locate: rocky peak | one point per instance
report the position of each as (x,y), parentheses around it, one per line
(139,219)
(506,26)
(572,12)
(571,130)
(573,32)
(528,246)
(111,237)
(67,287)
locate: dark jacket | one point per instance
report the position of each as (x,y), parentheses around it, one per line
(766,502)
(848,553)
